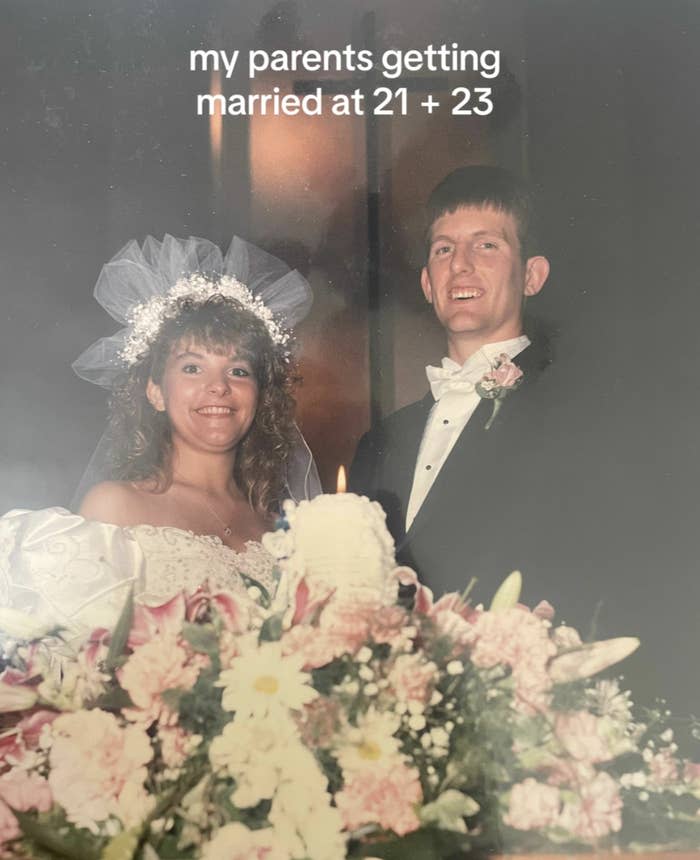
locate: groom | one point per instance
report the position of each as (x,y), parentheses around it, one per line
(456,471)
(549,482)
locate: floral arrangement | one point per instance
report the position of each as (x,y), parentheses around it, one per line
(339,724)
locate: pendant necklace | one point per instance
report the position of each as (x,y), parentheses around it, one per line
(227,529)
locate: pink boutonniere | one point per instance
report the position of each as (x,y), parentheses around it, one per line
(495,385)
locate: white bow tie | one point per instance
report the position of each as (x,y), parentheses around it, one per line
(452,378)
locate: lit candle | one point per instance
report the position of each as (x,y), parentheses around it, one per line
(341,483)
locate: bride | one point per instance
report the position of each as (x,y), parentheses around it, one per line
(201,447)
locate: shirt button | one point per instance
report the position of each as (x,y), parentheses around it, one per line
(445,421)
(428,467)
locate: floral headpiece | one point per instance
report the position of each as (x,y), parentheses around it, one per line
(142,285)
(146,320)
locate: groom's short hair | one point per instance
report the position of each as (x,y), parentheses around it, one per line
(485,185)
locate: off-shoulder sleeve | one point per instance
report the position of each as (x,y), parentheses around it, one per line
(73,571)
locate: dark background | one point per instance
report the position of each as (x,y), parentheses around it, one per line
(597,105)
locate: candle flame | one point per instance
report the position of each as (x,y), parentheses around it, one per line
(341,482)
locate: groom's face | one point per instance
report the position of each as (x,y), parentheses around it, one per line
(475,276)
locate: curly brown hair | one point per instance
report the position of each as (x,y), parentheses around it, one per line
(140,436)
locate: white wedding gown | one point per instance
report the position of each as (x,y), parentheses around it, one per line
(78,572)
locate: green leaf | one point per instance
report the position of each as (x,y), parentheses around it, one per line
(114,699)
(75,844)
(172,698)
(428,843)
(271,631)
(200,709)
(202,638)
(123,846)
(326,677)
(120,634)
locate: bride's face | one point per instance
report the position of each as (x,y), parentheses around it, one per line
(210,397)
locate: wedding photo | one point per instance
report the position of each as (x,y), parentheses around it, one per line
(349,457)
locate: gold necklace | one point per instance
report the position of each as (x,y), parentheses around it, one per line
(227,529)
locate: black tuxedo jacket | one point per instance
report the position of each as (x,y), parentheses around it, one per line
(563,489)
(472,521)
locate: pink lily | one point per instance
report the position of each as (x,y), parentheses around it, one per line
(199,602)
(152,620)
(308,606)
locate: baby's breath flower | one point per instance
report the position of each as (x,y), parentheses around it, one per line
(440,737)
(416,722)
(365,673)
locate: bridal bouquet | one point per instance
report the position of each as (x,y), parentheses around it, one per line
(330,722)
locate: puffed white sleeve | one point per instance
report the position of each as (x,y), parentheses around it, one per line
(69,570)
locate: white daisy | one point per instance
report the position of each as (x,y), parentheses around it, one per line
(263,681)
(371,742)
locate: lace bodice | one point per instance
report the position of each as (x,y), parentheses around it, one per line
(179,559)
(78,572)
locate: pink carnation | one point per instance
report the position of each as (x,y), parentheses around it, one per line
(387,797)
(569,771)
(313,645)
(174,744)
(411,678)
(532,805)
(455,618)
(342,628)
(9,828)
(98,768)
(663,767)
(579,732)
(347,623)
(20,791)
(691,771)
(23,791)
(387,625)
(516,638)
(24,738)
(159,665)
(597,812)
